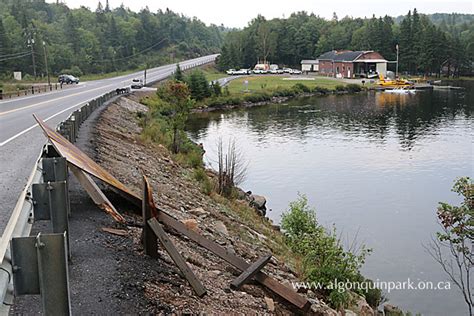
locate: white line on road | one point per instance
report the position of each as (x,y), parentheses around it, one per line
(20,98)
(47,119)
(60,98)
(31,127)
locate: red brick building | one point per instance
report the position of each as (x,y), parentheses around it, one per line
(351,64)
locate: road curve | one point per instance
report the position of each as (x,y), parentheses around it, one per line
(21,139)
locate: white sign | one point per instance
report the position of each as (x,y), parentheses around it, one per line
(17,75)
(246,85)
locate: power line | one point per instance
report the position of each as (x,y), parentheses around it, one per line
(14,54)
(15,57)
(133,55)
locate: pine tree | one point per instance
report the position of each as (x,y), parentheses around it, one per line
(4,48)
(405,43)
(198,85)
(416,41)
(178,74)
(107,7)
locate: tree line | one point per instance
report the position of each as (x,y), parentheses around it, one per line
(103,40)
(423,46)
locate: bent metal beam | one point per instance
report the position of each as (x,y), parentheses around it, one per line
(79,159)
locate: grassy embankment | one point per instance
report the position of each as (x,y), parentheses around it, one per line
(266,88)
(270,83)
(212,73)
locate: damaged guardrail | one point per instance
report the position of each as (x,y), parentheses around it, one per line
(38,264)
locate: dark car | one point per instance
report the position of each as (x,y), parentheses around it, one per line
(67,79)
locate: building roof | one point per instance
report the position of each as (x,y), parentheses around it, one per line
(348,55)
(309,61)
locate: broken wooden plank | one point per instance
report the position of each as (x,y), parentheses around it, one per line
(285,292)
(150,244)
(76,157)
(177,258)
(246,275)
(114,231)
(95,193)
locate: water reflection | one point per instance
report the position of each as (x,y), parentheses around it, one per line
(370,115)
(374,164)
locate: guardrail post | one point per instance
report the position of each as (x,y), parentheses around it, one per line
(40,267)
(1,94)
(73,128)
(55,169)
(50,202)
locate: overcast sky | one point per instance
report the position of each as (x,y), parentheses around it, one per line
(238,13)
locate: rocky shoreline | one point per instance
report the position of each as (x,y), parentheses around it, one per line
(232,224)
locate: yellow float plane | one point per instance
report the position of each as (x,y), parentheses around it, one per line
(396,83)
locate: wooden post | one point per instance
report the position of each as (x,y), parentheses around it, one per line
(249,272)
(177,258)
(150,244)
(95,193)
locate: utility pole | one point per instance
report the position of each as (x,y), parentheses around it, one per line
(31,42)
(144,75)
(46,63)
(396,70)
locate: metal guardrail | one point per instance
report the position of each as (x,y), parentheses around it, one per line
(34,89)
(22,218)
(29,207)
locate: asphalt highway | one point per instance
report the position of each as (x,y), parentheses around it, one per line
(21,139)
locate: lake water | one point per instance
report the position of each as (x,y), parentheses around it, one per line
(374,164)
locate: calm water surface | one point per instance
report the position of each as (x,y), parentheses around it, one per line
(374,164)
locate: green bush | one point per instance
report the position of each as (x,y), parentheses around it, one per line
(353,87)
(373,296)
(340,88)
(199,174)
(192,159)
(257,97)
(300,88)
(324,257)
(320,90)
(222,101)
(282,92)
(74,70)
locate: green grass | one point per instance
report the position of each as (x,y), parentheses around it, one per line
(270,83)
(212,73)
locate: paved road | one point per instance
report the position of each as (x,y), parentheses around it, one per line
(21,139)
(225,81)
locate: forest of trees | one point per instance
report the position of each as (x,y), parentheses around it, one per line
(84,41)
(81,41)
(424,46)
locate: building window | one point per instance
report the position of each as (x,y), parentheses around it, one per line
(337,69)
